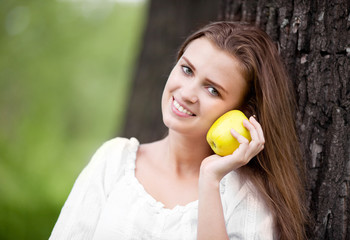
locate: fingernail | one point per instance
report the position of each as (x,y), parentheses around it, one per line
(253,117)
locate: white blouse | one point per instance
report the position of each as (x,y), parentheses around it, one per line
(108,202)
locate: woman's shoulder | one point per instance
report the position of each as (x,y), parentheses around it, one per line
(118,151)
(240,191)
(111,160)
(114,154)
(245,206)
(233,189)
(120,143)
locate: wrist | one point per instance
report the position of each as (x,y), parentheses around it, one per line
(207,179)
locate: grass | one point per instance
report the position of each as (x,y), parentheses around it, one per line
(65,72)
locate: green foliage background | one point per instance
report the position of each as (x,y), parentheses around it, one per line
(65,71)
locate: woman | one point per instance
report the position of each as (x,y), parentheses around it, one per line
(176,188)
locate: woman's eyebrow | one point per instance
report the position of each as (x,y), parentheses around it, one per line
(216,85)
(207,79)
(189,63)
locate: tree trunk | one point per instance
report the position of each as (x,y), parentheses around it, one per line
(314,42)
(313,37)
(169,22)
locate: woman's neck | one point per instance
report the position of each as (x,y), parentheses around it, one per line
(184,154)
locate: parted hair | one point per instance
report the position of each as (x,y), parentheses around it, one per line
(277,171)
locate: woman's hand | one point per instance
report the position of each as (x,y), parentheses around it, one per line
(211,221)
(217,167)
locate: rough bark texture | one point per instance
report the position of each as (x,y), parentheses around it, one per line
(169,23)
(314,41)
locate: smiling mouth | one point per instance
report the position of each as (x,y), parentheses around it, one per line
(182,109)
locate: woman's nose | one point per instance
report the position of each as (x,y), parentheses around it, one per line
(189,93)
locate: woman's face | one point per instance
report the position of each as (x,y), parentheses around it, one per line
(205,83)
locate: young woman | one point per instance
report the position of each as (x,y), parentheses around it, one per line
(176,188)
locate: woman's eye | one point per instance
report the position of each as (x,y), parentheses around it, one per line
(187,70)
(213,91)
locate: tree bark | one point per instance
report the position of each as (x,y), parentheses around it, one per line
(169,23)
(313,37)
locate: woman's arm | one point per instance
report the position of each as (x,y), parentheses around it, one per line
(211,221)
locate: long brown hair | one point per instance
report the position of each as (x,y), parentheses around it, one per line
(277,171)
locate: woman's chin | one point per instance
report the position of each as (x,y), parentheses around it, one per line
(189,131)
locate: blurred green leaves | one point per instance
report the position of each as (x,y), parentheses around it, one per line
(65,72)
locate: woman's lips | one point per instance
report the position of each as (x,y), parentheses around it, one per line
(180,110)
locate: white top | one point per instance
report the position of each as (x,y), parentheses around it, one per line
(108,202)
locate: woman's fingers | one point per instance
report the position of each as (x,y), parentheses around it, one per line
(258,128)
(256,133)
(252,130)
(240,152)
(239,137)
(257,138)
